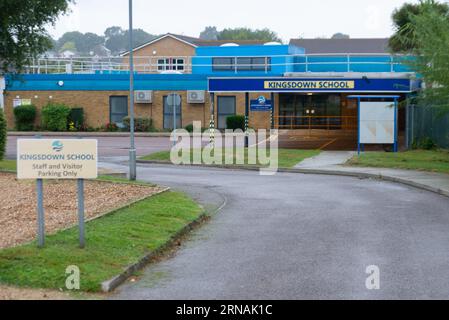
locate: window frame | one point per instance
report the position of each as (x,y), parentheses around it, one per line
(234,98)
(234,64)
(110,109)
(164,114)
(171,64)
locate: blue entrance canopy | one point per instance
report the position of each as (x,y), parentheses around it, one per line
(285,84)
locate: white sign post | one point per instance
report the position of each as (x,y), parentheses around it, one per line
(48,159)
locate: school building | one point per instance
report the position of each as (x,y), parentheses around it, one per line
(310,88)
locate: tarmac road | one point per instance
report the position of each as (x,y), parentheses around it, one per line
(293,236)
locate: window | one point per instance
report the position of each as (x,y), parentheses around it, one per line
(223,64)
(118,109)
(243,64)
(226,108)
(175,64)
(168,115)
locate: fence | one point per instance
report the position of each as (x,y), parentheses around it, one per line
(204,64)
(428,122)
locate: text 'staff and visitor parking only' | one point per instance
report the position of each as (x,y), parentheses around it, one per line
(57,159)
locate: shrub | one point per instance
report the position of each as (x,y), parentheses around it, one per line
(76,119)
(424,144)
(54,117)
(235,122)
(189,128)
(111,127)
(3,134)
(140,124)
(25,117)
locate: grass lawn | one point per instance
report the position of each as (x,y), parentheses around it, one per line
(8,165)
(288,158)
(423,160)
(113,242)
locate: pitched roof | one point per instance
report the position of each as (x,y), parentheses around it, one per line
(317,46)
(197,42)
(212,43)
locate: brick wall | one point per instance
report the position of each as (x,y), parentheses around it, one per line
(96,106)
(166,47)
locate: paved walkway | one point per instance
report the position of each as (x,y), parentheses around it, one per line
(333,162)
(326,159)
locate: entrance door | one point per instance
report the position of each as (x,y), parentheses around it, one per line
(317,111)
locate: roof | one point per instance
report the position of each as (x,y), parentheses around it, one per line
(317,46)
(197,42)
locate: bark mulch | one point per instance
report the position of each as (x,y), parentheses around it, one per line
(18,215)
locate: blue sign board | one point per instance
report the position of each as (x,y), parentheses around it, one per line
(261,104)
(309,85)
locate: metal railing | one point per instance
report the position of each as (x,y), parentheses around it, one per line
(187,64)
(316,122)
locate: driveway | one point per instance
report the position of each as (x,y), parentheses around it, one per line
(295,236)
(109,148)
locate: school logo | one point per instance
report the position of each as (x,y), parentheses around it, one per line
(57,146)
(262,100)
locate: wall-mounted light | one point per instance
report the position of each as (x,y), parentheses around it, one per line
(17,97)
(50,97)
(154,52)
(36,97)
(61,83)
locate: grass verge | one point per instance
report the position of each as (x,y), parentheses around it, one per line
(114,242)
(288,158)
(422,160)
(8,165)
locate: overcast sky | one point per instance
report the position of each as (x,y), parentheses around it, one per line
(289,18)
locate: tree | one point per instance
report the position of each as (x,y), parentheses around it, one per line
(113,31)
(90,41)
(404,25)
(249,34)
(427,34)
(74,37)
(23,32)
(68,46)
(117,39)
(209,33)
(340,35)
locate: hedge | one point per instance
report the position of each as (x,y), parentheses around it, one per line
(3,134)
(235,122)
(25,117)
(54,117)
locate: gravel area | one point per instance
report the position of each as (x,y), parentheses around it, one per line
(18,216)
(10,293)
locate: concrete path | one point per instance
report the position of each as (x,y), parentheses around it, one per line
(333,162)
(326,159)
(294,236)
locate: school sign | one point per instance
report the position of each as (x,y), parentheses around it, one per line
(363,85)
(57,159)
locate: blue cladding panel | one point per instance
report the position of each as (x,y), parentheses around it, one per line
(354,64)
(106,82)
(202,63)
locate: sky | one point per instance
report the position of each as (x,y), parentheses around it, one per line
(289,18)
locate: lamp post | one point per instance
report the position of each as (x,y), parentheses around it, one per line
(132,150)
